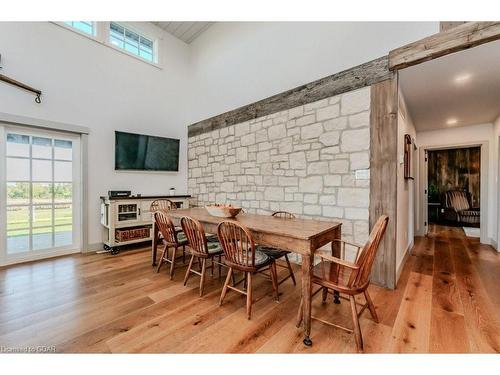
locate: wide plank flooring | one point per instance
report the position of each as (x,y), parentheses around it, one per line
(447,301)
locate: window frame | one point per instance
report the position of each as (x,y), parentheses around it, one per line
(140,34)
(102,36)
(76,202)
(93,23)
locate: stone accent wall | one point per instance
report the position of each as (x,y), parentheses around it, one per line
(303,160)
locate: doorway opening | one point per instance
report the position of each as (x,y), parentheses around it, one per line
(454,188)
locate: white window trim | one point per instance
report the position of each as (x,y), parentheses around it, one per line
(102,37)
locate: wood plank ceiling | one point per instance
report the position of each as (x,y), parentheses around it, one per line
(185,31)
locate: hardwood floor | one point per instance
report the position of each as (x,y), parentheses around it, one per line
(447,301)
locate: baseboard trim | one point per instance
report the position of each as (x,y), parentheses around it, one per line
(403,262)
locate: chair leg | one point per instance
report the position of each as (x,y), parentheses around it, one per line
(172,265)
(355,321)
(290,269)
(184,254)
(324,294)
(188,271)
(224,288)
(160,263)
(249,295)
(371,307)
(274,280)
(300,313)
(203,271)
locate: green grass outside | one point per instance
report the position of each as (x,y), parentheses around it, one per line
(18,221)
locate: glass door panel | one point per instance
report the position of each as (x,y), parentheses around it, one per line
(40,189)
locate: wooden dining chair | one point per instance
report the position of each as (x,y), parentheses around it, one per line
(241,254)
(161,205)
(203,248)
(171,239)
(338,275)
(276,253)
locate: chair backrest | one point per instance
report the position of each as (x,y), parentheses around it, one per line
(237,244)
(195,234)
(458,200)
(162,204)
(283,215)
(367,256)
(166,226)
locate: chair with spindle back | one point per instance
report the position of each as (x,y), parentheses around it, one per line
(241,254)
(351,278)
(171,239)
(276,253)
(202,248)
(161,205)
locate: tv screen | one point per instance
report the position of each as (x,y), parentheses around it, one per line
(145,152)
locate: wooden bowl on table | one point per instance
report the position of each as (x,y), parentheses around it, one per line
(222,210)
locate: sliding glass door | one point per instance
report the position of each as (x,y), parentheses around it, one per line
(41,190)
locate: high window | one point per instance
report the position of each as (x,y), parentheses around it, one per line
(87,27)
(132,42)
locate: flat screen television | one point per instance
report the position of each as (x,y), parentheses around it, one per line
(145,152)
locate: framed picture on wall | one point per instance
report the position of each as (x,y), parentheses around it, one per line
(408,157)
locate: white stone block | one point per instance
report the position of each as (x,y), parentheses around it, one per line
(311,131)
(339,166)
(320,167)
(248,139)
(330,138)
(355,140)
(355,101)
(295,112)
(332,180)
(335,124)
(305,120)
(359,160)
(241,129)
(360,120)
(328,200)
(357,213)
(288,181)
(313,184)
(354,197)
(312,210)
(333,211)
(276,131)
(298,160)
(273,193)
(328,112)
(311,198)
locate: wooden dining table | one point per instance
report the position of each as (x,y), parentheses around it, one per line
(300,236)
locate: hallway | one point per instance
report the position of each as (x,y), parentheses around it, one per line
(463,309)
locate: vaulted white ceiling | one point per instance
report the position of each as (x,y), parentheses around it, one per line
(455,90)
(185,31)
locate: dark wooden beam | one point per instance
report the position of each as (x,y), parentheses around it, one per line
(348,80)
(456,39)
(383,175)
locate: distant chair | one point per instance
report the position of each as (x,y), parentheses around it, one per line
(280,253)
(171,238)
(458,208)
(342,276)
(162,204)
(202,248)
(241,254)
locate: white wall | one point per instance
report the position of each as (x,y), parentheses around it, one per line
(89,84)
(232,64)
(235,64)
(406,188)
(462,136)
(496,144)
